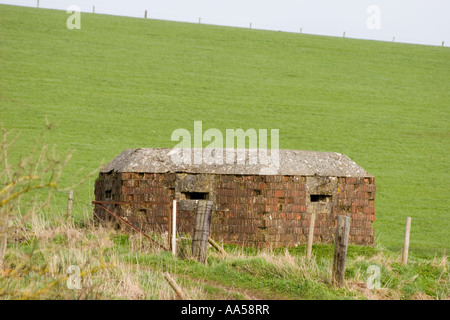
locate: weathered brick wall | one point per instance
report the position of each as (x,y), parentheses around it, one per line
(148,198)
(261,210)
(356,198)
(107,188)
(140,188)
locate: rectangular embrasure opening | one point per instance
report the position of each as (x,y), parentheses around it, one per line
(196,195)
(320,198)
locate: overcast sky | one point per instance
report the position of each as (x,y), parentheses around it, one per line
(412,21)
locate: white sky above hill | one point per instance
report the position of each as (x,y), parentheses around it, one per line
(411,21)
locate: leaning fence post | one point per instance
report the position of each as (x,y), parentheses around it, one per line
(216,246)
(69,205)
(201,230)
(340,250)
(406,243)
(310,235)
(175,286)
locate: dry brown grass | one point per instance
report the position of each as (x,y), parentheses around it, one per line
(111,267)
(373,294)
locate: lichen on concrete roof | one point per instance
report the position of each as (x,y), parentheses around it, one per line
(288,162)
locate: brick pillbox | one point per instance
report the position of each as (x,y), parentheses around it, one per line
(250,208)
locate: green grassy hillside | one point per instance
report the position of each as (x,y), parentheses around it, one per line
(124,83)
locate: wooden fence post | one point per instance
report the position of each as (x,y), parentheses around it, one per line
(69,205)
(340,250)
(310,235)
(93,9)
(3,237)
(145,14)
(174,227)
(175,286)
(406,243)
(201,230)
(37,5)
(216,246)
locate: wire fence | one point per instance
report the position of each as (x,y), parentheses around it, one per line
(145,10)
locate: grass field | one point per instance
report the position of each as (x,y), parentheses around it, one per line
(123,83)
